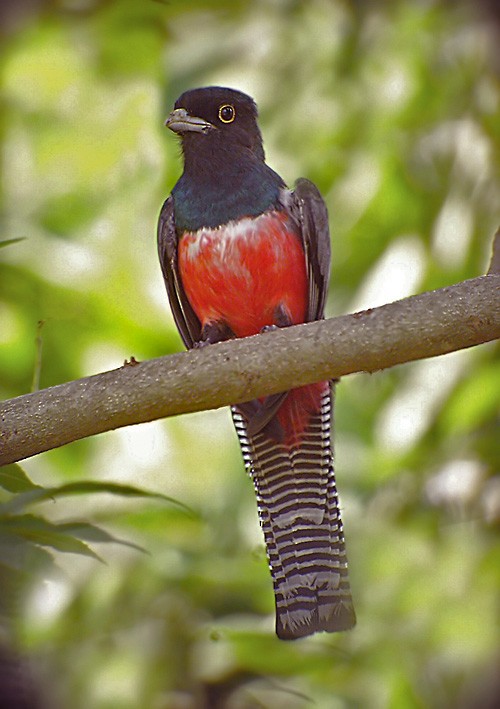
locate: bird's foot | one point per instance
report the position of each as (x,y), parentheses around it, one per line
(282,318)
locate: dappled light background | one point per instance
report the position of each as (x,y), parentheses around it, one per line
(392,108)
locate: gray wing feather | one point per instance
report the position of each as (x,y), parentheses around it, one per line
(185,318)
(309,210)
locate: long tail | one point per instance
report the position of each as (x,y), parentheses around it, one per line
(299,514)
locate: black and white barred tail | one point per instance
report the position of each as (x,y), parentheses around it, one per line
(300,517)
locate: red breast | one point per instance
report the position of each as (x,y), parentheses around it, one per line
(241,272)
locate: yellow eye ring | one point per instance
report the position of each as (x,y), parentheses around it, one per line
(227,114)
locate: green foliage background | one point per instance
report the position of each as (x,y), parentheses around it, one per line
(392,108)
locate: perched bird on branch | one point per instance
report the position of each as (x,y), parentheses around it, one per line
(242,254)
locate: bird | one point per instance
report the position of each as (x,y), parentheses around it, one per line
(242,254)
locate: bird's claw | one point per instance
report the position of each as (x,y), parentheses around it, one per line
(269,328)
(200,344)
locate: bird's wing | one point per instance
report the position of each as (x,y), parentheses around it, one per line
(309,211)
(185,318)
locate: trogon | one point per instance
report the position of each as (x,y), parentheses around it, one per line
(242,254)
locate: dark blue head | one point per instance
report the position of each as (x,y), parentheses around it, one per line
(225,176)
(214,117)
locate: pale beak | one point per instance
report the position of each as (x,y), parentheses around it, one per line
(181,122)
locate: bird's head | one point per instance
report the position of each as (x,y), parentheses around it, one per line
(216,116)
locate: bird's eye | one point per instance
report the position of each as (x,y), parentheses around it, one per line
(227,114)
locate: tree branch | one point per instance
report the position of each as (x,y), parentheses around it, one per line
(425,325)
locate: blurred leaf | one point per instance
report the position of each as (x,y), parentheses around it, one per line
(8,242)
(17,554)
(39,531)
(91,533)
(14,479)
(41,494)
